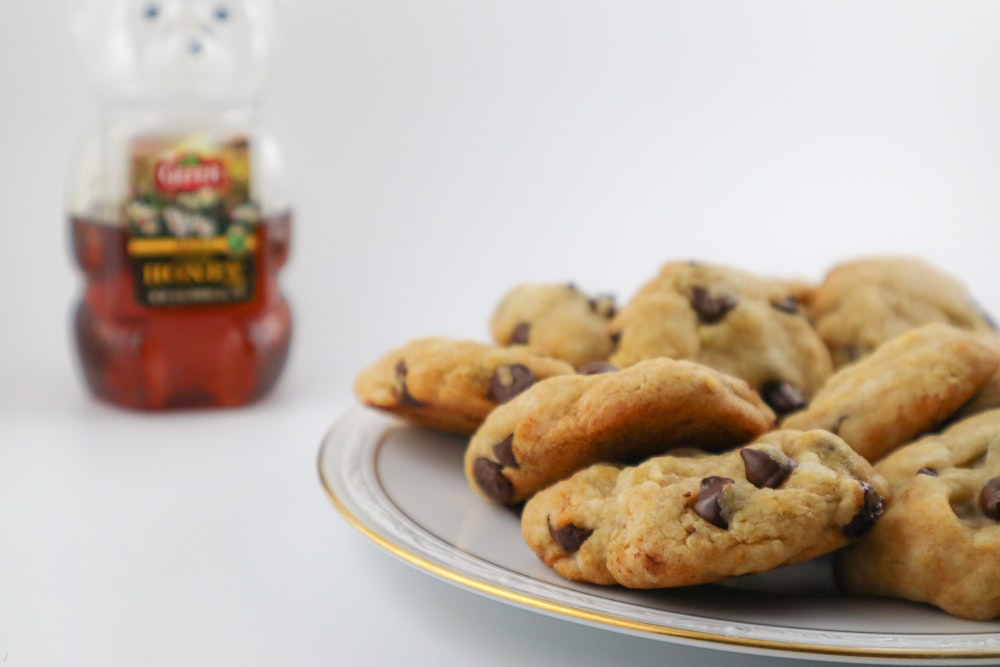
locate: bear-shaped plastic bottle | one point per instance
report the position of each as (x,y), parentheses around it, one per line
(179,222)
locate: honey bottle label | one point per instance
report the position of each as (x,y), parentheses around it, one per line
(190,220)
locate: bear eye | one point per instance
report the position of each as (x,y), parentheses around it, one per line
(151,11)
(221,13)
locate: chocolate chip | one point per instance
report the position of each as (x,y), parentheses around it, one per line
(707,504)
(989,499)
(928,471)
(508,381)
(402,391)
(489,476)
(870,512)
(763,470)
(519,336)
(504,452)
(789,304)
(569,538)
(783,397)
(603,305)
(853,352)
(711,309)
(596,367)
(837,423)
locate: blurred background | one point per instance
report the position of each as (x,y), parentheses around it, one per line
(439,152)
(442,151)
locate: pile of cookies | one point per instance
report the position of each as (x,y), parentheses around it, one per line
(722,423)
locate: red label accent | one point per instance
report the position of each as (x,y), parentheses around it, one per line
(190,172)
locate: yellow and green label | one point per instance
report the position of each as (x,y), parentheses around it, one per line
(190,220)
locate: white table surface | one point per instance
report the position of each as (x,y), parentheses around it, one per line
(441,152)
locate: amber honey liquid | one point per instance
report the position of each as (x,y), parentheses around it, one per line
(148,357)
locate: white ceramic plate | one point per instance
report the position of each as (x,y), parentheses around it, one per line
(404,488)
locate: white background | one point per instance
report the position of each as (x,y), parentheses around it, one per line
(439,153)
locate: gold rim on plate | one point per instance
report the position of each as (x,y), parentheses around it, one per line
(597,618)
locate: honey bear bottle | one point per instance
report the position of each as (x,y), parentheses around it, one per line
(178,220)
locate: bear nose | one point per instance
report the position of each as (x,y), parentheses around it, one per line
(195,46)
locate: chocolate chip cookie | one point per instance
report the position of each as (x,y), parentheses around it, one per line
(906,387)
(987,398)
(733,321)
(565,423)
(939,541)
(558,320)
(451,385)
(698,518)
(861,304)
